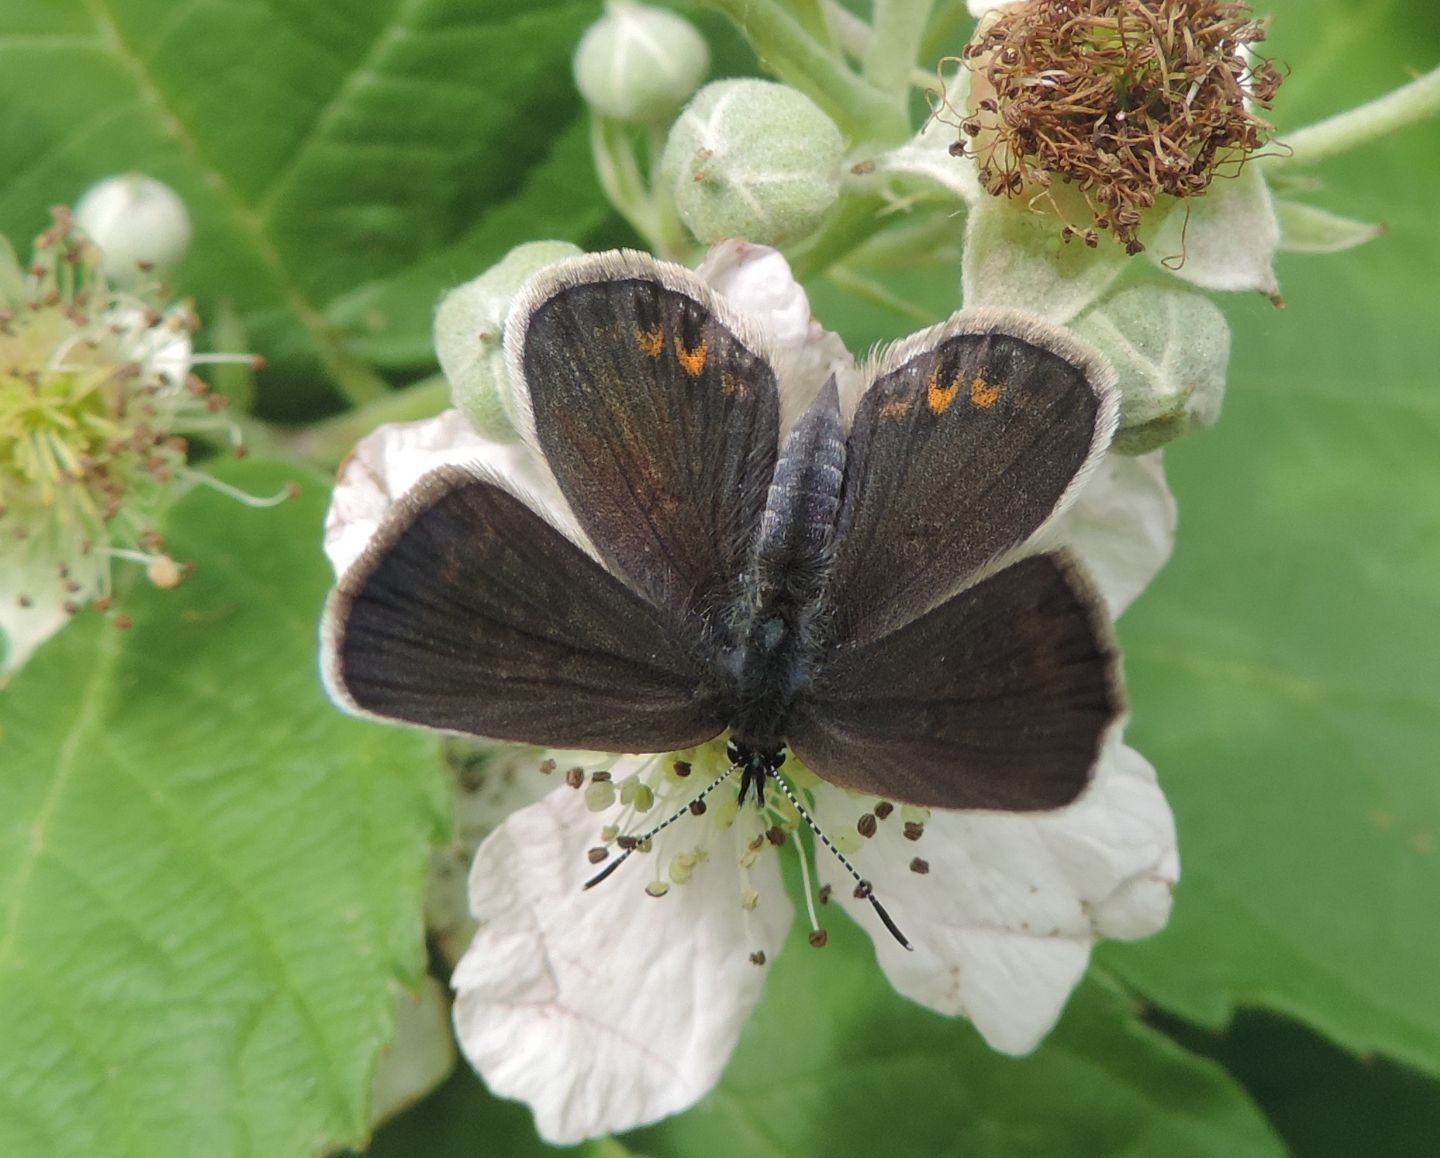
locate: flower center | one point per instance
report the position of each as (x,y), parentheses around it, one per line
(676,806)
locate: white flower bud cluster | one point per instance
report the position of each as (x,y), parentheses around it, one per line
(748,159)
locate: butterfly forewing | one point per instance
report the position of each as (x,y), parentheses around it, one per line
(998,699)
(967,441)
(470,613)
(658,416)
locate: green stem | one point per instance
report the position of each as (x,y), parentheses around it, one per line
(852,34)
(811,16)
(354,378)
(672,240)
(929,233)
(326,443)
(620,176)
(857,218)
(950,28)
(607,1148)
(1395,110)
(899,28)
(786,49)
(869,290)
(259,438)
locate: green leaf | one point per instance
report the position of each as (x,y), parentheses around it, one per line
(211,877)
(344,161)
(1325,1103)
(1284,671)
(1306,229)
(835,1062)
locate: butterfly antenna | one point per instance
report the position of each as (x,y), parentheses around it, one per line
(863,888)
(631,843)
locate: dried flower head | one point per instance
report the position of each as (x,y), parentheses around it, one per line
(1122,101)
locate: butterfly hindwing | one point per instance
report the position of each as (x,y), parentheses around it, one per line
(969,438)
(471,613)
(1000,698)
(657,412)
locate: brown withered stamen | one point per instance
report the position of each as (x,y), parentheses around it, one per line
(1125,101)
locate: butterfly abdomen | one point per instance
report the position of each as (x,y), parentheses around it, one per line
(780,625)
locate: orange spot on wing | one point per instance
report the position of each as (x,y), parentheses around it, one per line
(650,341)
(729,384)
(938,397)
(983,394)
(896,408)
(692,361)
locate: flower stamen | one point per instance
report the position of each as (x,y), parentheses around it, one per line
(645,840)
(863,889)
(808,885)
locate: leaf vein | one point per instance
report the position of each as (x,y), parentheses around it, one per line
(358,381)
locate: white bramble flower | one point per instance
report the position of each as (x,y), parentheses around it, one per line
(608,1008)
(96,396)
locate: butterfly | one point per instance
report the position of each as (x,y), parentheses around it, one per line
(858,590)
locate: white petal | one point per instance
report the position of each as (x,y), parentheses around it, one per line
(757,280)
(605,1009)
(32,594)
(1225,240)
(393,458)
(163,350)
(420,1053)
(1122,525)
(1004,919)
(23,629)
(510,781)
(979,8)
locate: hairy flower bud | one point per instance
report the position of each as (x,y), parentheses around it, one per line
(468,335)
(140,225)
(753,159)
(640,64)
(1169,348)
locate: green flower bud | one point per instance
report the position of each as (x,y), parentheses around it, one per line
(1169,348)
(139,225)
(755,160)
(469,328)
(639,64)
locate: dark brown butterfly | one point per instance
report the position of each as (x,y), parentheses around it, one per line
(857,593)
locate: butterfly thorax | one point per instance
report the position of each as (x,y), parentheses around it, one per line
(780,628)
